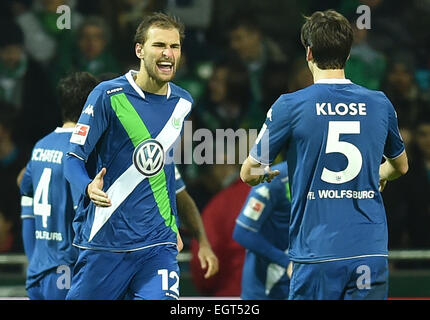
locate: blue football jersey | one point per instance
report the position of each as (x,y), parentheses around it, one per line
(336,134)
(50,200)
(132,133)
(179,182)
(267,211)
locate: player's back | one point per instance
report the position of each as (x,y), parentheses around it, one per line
(53,204)
(337,136)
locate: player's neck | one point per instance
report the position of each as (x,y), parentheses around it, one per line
(68,124)
(149,84)
(319,74)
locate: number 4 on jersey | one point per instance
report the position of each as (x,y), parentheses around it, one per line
(41,206)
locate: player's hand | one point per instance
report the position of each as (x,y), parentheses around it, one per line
(208,260)
(179,243)
(268,175)
(95,190)
(382,184)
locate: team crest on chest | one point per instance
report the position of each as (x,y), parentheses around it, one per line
(148,157)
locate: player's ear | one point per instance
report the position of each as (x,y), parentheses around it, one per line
(309,55)
(139,50)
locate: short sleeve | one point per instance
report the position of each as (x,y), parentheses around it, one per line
(394,145)
(179,182)
(92,123)
(273,134)
(257,208)
(26,189)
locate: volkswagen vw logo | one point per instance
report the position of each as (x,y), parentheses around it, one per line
(148,157)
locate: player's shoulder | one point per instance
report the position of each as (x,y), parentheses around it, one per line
(176,90)
(113,86)
(296,96)
(377,97)
(55,137)
(46,140)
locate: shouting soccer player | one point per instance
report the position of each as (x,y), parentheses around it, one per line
(336,134)
(127,221)
(48,200)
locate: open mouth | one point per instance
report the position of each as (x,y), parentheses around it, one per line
(165,67)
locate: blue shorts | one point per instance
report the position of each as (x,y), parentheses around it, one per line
(147,274)
(351,279)
(53,285)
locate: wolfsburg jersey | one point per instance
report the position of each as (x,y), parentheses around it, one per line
(336,134)
(267,212)
(132,134)
(48,198)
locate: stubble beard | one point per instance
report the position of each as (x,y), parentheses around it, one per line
(151,70)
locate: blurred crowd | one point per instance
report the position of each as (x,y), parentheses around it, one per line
(237,58)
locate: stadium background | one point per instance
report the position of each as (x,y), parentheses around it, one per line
(233,85)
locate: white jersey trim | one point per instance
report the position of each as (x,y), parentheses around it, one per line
(64,130)
(180,189)
(131,177)
(126,250)
(345,258)
(334,81)
(129,76)
(240,223)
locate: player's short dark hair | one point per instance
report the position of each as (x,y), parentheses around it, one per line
(159,20)
(73,91)
(329,34)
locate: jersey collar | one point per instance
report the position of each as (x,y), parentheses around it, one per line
(129,75)
(62,130)
(334,81)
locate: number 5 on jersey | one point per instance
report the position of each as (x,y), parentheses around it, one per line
(350,151)
(41,206)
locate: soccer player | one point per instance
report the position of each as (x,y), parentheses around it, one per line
(48,200)
(189,214)
(262,228)
(127,219)
(336,133)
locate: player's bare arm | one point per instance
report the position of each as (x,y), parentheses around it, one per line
(253,173)
(95,190)
(189,214)
(393,169)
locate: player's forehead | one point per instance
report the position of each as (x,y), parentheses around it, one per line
(163,35)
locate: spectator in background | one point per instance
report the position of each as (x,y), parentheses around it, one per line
(92,52)
(10,240)
(418,184)
(43,40)
(300,77)
(225,103)
(408,203)
(13,156)
(123,17)
(197,16)
(256,51)
(388,22)
(401,88)
(365,66)
(219,218)
(24,85)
